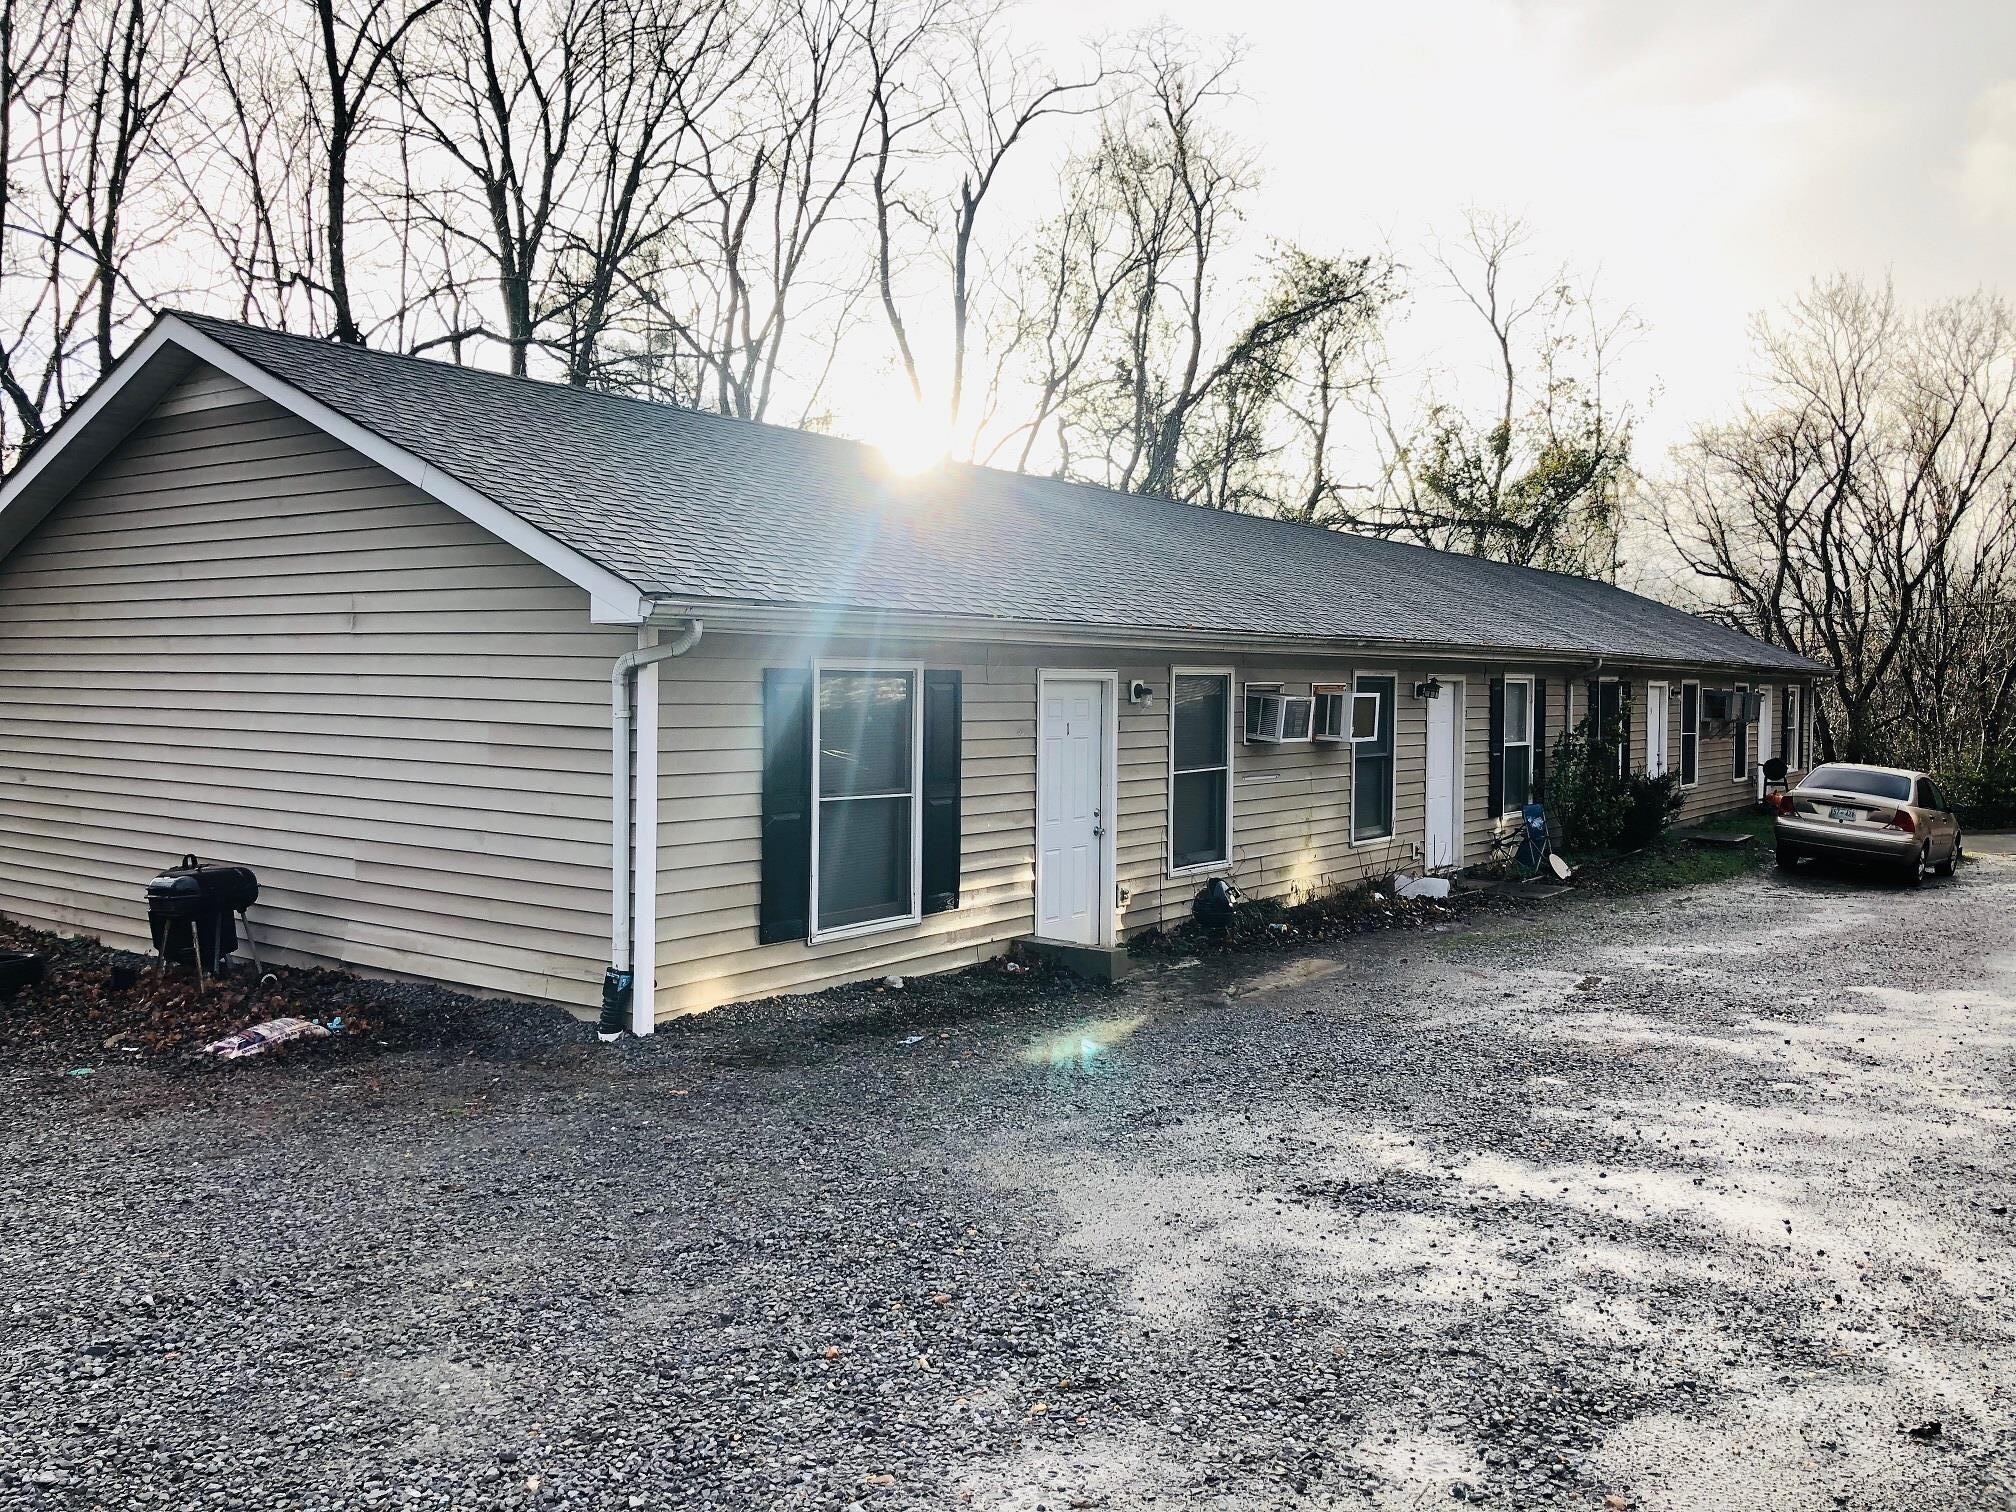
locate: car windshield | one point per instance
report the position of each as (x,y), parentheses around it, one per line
(1848,779)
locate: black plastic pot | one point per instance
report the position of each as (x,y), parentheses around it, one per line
(20,968)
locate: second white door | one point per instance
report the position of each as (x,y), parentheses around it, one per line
(1655,729)
(1445,789)
(1070,824)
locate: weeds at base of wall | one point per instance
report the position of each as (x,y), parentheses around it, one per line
(1276,924)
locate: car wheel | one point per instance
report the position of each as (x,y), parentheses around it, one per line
(1951,864)
(1788,855)
(1917,866)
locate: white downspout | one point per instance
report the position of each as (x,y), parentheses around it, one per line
(618,982)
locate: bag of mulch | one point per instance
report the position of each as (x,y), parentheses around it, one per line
(264,1037)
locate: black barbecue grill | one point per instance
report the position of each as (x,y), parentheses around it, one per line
(192,909)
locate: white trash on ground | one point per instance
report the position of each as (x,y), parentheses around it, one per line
(1420,887)
(264,1037)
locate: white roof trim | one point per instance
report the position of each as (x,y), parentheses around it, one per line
(613,599)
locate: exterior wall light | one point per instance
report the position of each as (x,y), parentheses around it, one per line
(1429,689)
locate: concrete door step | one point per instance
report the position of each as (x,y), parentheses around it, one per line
(1096,963)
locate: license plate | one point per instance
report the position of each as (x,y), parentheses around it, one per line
(1843,815)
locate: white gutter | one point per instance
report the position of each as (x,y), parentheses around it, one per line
(620,981)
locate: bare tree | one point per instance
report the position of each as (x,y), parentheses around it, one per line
(977,101)
(501,91)
(751,282)
(1065,288)
(1539,477)
(1863,511)
(35,338)
(93,90)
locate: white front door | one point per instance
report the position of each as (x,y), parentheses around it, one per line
(1655,729)
(1444,845)
(1070,827)
(1765,750)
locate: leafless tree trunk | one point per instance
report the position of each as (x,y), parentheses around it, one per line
(1865,513)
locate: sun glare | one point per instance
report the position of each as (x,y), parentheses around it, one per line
(911,439)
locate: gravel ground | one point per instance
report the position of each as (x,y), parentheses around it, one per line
(1692,1201)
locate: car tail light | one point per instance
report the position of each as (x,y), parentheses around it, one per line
(1902,820)
(1782,802)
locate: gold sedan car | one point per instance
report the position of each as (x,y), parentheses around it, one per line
(1885,815)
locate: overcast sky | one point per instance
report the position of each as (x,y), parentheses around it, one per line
(1706,157)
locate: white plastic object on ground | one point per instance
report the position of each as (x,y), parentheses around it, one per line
(1421,887)
(264,1037)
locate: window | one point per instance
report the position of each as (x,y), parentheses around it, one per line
(1788,737)
(1372,758)
(1365,720)
(1612,724)
(864,782)
(1853,779)
(1200,770)
(1739,714)
(1690,734)
(1518,755)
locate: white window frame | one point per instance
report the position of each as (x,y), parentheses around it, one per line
(1685,684)
(1392,834)
(1791,726)
(1341,691)
(1528,679)
(915,672)
(1623,686)
(1663,698)
(1201,868)
(1356,698)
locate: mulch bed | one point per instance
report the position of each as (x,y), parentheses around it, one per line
(97,1004)
(1269,924)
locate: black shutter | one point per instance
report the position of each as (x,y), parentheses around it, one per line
(1496,783)
(784,912)
(1539,738)
(942,741)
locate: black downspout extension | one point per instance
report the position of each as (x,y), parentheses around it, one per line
(616,989)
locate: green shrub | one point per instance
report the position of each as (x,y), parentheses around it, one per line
(1985,797)
(1650,804)
(1585,798)
(1591,807)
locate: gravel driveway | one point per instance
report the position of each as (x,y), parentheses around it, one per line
(1695,1201)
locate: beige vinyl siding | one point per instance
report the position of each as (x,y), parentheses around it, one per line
(1291,821)
(239,638)
(709,825)
(1291,804)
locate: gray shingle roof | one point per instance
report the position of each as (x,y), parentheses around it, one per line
(688,505)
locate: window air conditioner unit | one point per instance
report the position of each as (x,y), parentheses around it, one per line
(1282,719)
(1716,705)
(1750,706)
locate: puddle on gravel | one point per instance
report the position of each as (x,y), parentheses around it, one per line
(1294,974)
